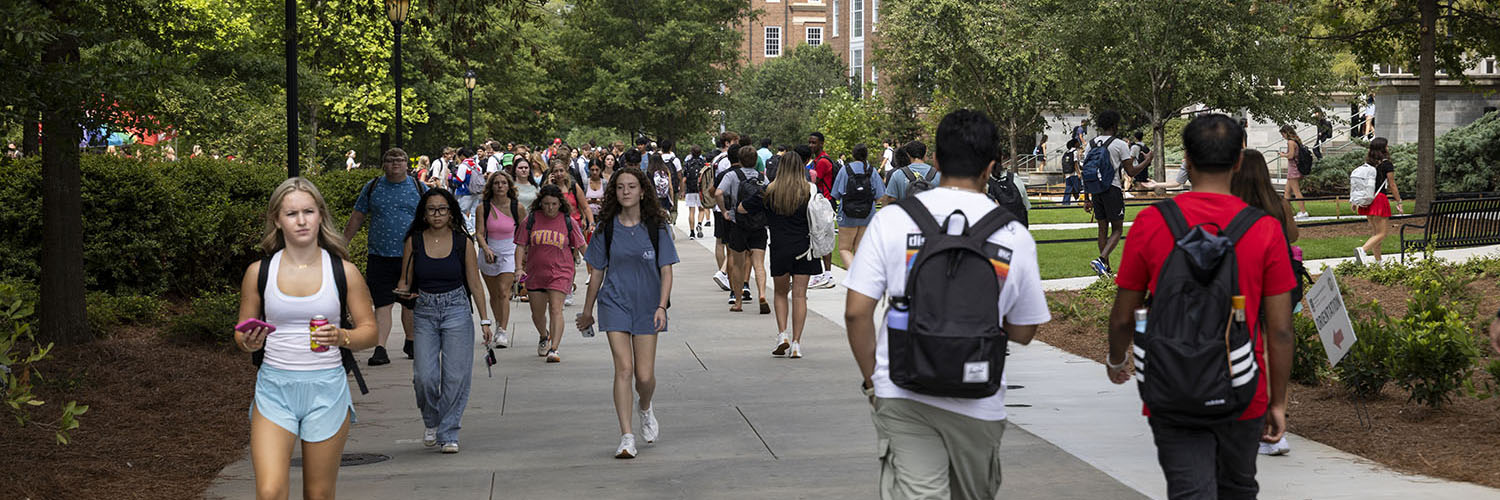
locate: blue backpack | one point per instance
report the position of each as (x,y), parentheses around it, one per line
(1098,170)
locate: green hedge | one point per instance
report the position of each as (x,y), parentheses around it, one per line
(1468,160)
(151,228)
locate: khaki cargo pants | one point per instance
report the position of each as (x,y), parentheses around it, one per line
(930,453)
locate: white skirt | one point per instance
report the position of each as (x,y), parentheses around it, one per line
(692,201)
(505,258)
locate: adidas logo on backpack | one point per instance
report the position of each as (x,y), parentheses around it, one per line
(1195,362)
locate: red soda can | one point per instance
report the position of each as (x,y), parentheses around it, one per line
(312,326)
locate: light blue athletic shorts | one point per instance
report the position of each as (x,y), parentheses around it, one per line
(311,404)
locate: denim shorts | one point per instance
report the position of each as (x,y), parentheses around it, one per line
(310,404)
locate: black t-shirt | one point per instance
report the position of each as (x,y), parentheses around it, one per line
(1385,167)
(788,232)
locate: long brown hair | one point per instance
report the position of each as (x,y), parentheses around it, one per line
(1252,183)
(790,190)
(651,211)
(1378,152)
(329,237)
(489,192)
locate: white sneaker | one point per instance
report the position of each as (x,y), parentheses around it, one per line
(429,437)
(822,281)
(796,350)
(552,356)
(450,448)
(782,344)
(542,346)
(568,301)
(722,279)
(1360,256)
(627,447)
(649,428)
(501,339)
(1300,216)
(1276,449)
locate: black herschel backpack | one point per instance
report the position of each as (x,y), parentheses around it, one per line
(953,344)
(1195,364)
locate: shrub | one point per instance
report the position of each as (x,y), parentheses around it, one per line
(1363,370)
(19,351)
(1468,160)
(107,311)
(1309,360)
(1433,352)
(209,321)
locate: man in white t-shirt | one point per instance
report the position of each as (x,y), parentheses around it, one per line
(931,446)
(1109,207)
(887,156)
(728,141)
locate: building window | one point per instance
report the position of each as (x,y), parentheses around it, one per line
(815,35)
(874,14)
(1489,66)
(857,19)
(857,68)
(835,18)
(773,41)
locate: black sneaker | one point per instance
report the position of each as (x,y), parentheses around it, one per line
(379,358)
(745,294)
(407,348)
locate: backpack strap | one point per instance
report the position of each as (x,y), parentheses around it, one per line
(921,215)
(655,234)
(931,174)
(1242,223)
(369,191)
(1172,215)
(346,356)
(421,188)
(607,230)
(910,175)
(259,356)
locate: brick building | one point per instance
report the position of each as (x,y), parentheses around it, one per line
(848,26)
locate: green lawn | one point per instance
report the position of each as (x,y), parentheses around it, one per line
(1069,260)
(1075,214)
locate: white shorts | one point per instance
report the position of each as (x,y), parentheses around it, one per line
(505,258)
(692,201)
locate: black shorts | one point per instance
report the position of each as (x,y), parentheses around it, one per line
(381,275)
(784,263)
(1109,206)
(721,226)
(744,240)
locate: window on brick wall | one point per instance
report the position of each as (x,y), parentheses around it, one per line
(835,18)
(857,19)
(815,35)
(773,41)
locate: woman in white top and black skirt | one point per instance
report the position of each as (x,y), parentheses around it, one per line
(440,269)
(301,392)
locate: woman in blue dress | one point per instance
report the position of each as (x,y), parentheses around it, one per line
(631,279)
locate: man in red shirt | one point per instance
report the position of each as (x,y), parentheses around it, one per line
(1214,460)
(822,175)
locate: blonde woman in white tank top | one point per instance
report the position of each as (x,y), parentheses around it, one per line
(301,394)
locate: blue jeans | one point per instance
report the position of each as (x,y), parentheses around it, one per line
(1073,189)
(444,360)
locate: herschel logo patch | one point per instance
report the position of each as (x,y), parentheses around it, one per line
(976,372)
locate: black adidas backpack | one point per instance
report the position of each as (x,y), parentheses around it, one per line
(1003,191)
(859,195)
(1196,365)
(953,344)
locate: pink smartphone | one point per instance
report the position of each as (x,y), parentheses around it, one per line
(248,324)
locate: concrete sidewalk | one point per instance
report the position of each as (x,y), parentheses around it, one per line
(736,422)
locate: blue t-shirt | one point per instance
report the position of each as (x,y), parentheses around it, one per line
(897,188)
(390,213)
(632,277)
(840,180)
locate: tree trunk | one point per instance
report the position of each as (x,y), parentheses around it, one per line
(30,135)
(1010,140)
(1159,162)
(1426,108)
(63,317)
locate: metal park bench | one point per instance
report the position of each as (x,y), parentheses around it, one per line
(1455,224)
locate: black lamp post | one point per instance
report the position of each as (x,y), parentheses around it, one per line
(469,84)
(291,89)
(396,10)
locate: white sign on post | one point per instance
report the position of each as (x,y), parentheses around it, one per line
(1326,305)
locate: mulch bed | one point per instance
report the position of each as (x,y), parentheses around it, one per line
(1460,441)
(162,421)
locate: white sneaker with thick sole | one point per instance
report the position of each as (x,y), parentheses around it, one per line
(782,344)
(501,339)
(822,281)
(429,437)
(568,301)
(627,447)
(542,346)
(796,351)
(552,356)
(1360,256)
(450,448)
(722,279)
(649,428)
(1276,449)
